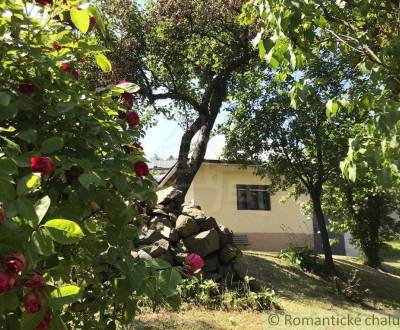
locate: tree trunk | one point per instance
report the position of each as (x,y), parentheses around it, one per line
(186,168)
(319,214)
(369,225)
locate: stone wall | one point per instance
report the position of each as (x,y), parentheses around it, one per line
(172,232)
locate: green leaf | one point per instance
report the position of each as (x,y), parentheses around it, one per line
(52,144)
(103,62)
(80,18)
(87,179)
(331,108)
(168,281)
(26,210)
(42,206)
(65,295)
(27,183)
(5,99)
(8,167)
(29,135)
(42,242)
(64,231)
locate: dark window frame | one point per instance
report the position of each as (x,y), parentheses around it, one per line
(247,203)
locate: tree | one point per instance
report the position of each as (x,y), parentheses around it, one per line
(193,53)
(366,34)
(295,144)
(67,184)
(365,210)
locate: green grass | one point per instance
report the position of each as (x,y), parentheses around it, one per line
(299,294)
(391,250)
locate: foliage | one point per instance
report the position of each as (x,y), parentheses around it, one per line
(67,182)
(226,296)
(295,144)
(302,256)
(365,210)
(292,33)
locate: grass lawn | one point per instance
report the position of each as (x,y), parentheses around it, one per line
(300,295)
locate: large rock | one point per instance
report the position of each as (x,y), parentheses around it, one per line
(203,243)
(170,234)
(211,263)
(180,258)
(159,222)
(241,268)
(160,212)
(166,195)
(172,218)
(195,213)
(225,235)
(208,223)
(159,248)
(228,253)
(168,257)
(186,226)
(149,237)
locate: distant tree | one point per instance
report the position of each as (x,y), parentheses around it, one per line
(365,210)
(295,144)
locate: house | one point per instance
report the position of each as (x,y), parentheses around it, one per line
(241,201)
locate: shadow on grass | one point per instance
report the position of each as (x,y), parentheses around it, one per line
(290,281)
(383,286)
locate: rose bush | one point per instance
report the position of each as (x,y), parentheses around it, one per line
(71,173)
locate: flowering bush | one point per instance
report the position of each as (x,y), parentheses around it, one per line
(71,172)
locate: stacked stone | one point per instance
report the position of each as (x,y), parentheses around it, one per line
(174,231)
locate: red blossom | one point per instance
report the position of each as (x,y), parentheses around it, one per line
(57,47)
(137,146)
(14,264)
(2,214)
(141,168)
(127,98)
(45,323)
(26,89)
(132,118)
(44,2)
(35,282)
(42,164)
(7,281)
(193,263)
(66,68)
(92,23)
(32,302)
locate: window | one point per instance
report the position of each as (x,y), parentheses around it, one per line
(253,197)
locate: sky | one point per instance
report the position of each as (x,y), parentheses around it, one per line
(164,139)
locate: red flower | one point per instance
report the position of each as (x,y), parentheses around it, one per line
(193,263)
(122,82)
(45,323)
(32,302)
(137,146)
(44,2)
(66,68)
(141,168)
(127,98)
(2,214)
(75,73)
(35,282)
(132,118)
(42,164)
(92,23)
(15,264)
(26,89)
(57,47)
(7,281)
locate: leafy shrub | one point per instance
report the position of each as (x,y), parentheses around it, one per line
(69,177)
(304,257)
(226,296)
